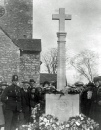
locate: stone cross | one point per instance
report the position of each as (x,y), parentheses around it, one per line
(61,67)
(61,17)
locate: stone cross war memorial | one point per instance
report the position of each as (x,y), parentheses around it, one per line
(67,105)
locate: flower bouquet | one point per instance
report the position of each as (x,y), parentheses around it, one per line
(75,90)
(48,122)
(81,122)
(35,114)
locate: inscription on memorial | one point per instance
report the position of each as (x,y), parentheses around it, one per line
(64,107)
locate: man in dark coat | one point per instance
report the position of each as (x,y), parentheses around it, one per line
(25,97)
(86,99)
(2,105)
(3,87)
(32,101)
(96,105)
(40,98)
(12,99)
(98,102)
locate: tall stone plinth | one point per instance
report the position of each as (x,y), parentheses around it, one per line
(61,68)
(62,107)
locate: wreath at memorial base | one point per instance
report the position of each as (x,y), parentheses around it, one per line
(66,90)
(49,122)
(81,122)
(52,90)
(76,90)
(71,90)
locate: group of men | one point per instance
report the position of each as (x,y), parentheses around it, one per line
(17,103)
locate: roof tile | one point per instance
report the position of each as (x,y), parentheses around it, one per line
(28,44)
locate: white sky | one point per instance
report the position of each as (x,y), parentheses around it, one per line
(1,2)
(83,31)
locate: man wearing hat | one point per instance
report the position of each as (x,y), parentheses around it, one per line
(25,97)
(4,85)
(97,81)
(12,99)
(32,83)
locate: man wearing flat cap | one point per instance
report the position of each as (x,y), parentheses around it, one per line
(12,99)
(4,85)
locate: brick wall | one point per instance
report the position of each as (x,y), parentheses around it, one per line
(30,66)
(17,20)
(13,62)
(9,58)
(17,23)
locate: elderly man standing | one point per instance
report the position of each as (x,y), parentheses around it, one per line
(25,97)
(12,99)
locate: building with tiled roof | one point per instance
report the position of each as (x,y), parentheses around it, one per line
(28,44)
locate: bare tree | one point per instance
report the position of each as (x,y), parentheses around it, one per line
(50,60)
(85,63)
